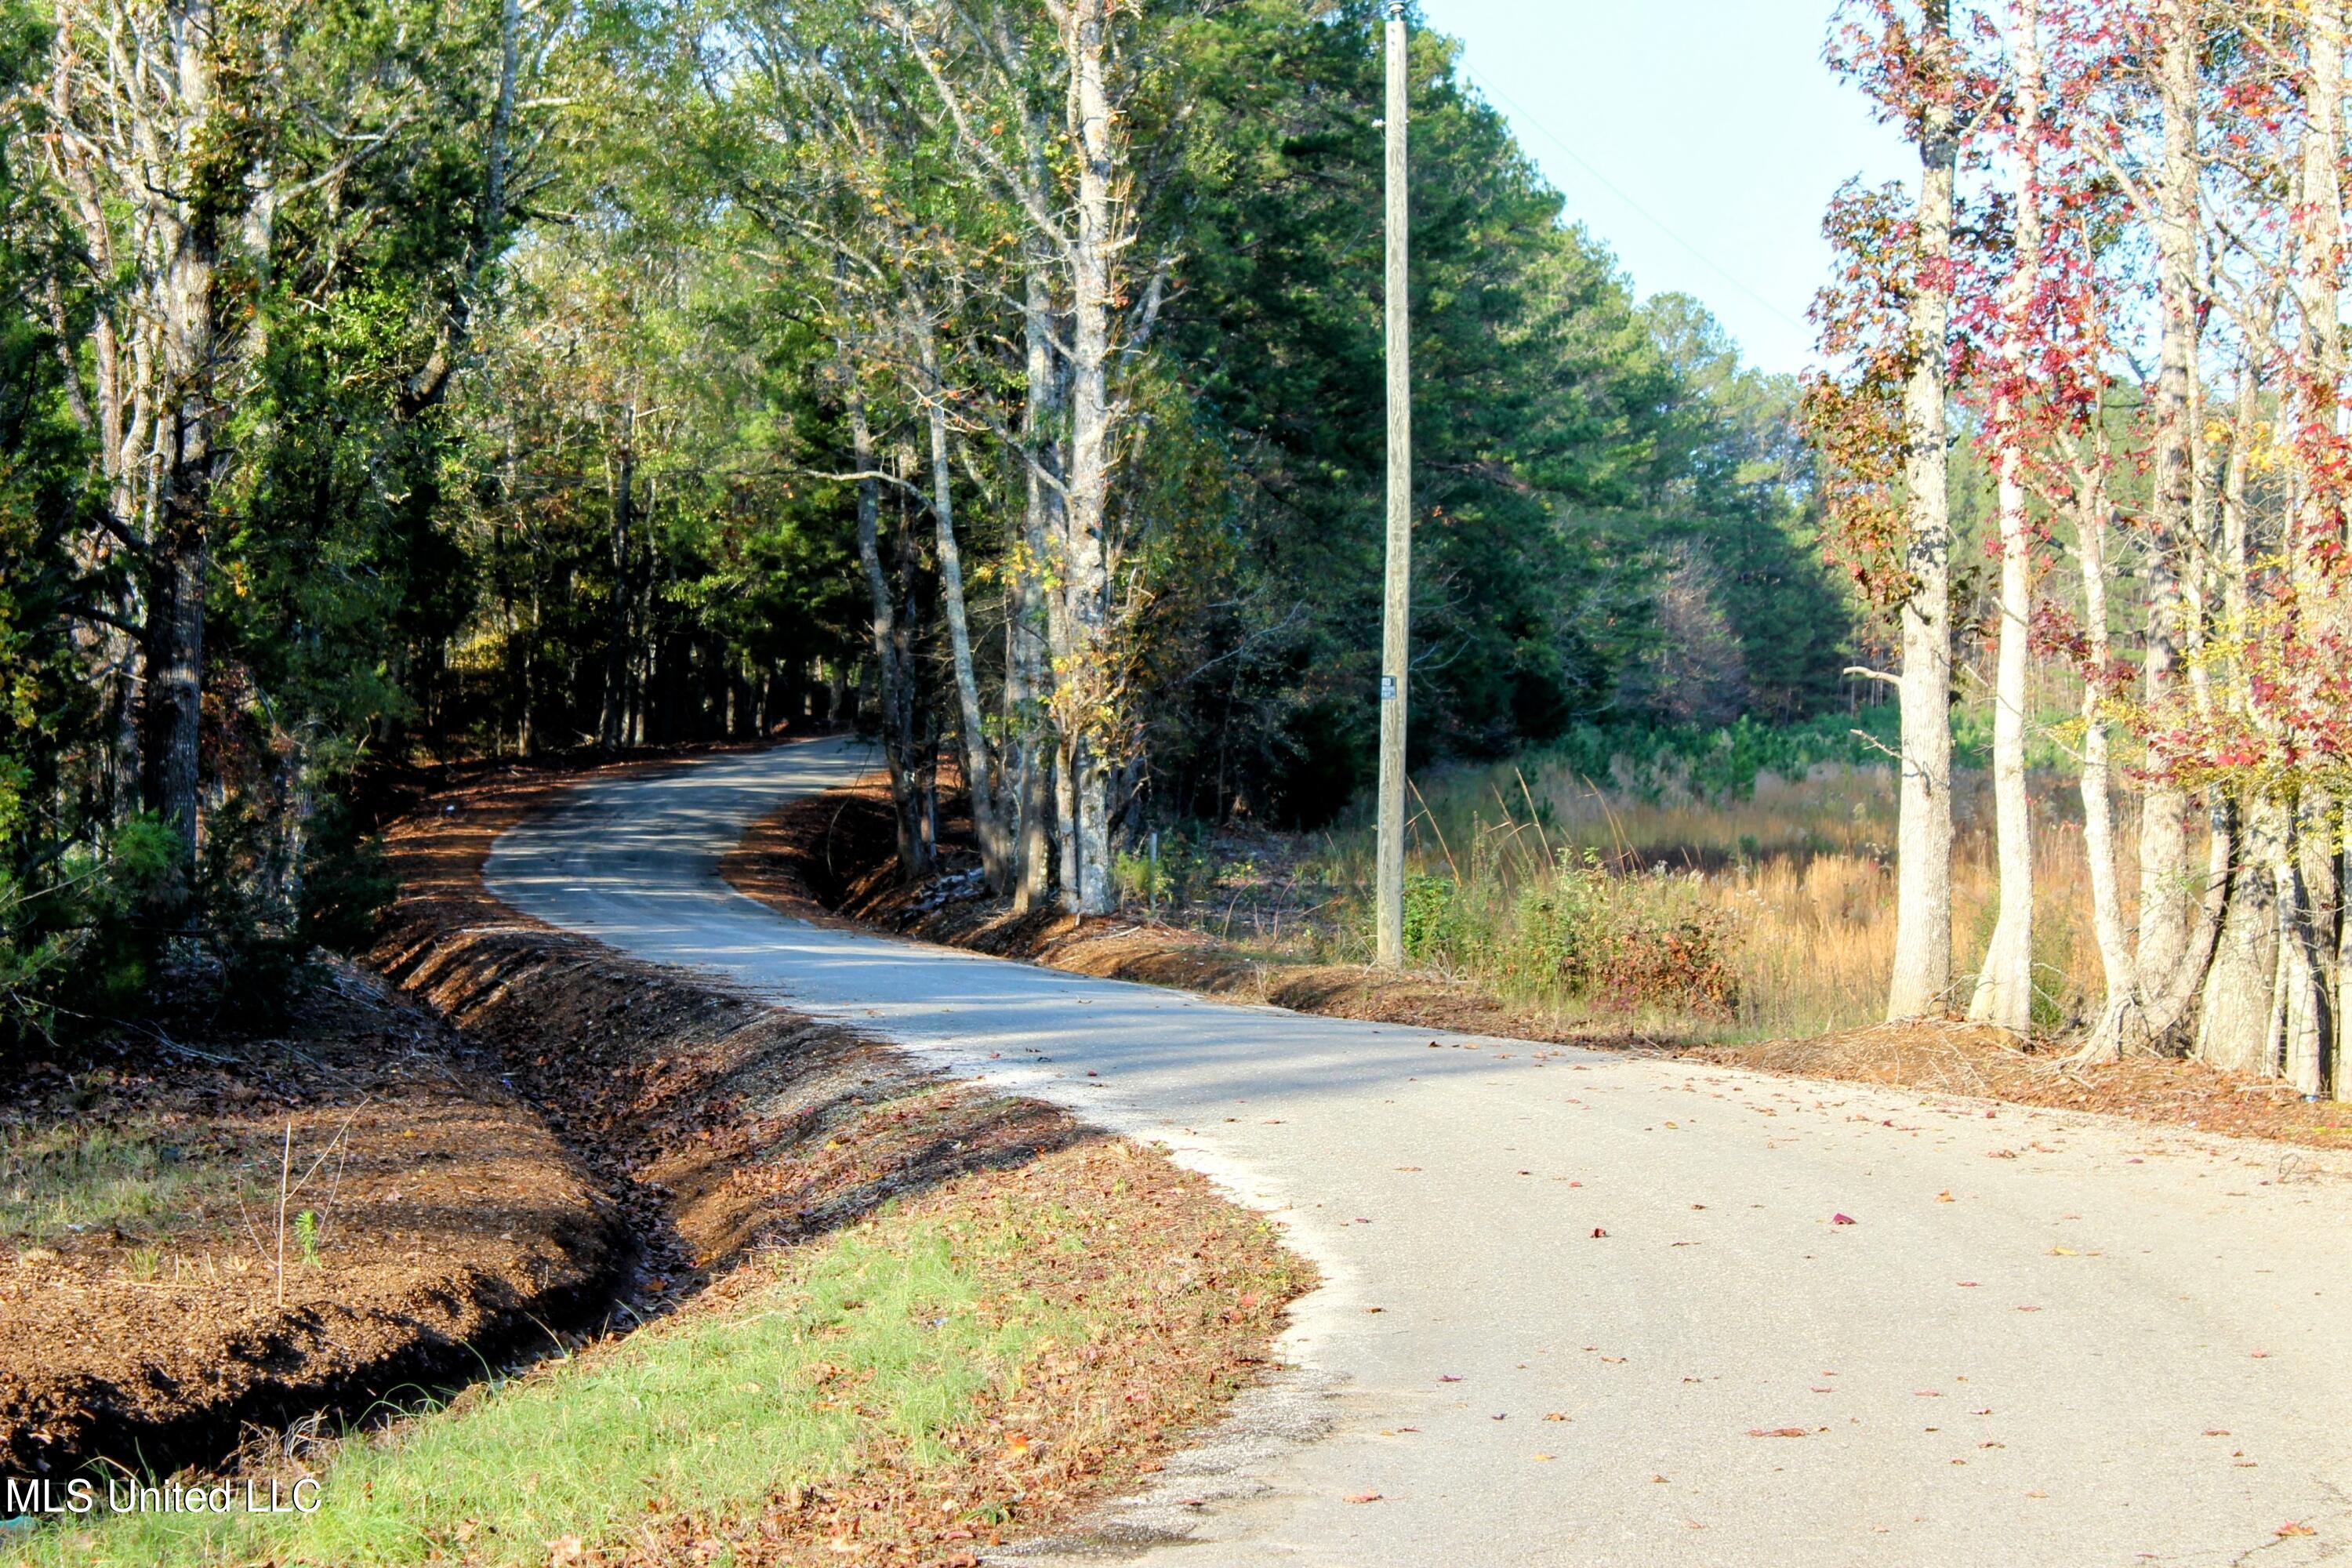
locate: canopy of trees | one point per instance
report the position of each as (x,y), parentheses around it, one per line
(389,380)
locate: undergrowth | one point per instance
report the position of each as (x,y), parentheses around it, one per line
(74,1176)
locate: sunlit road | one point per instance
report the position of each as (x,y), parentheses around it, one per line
(2040,1339)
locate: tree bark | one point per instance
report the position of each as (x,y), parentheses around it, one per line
(2122,1024)
(2165,898)
(624,483)
(914,838)
(979,768)
(1028,671)
(1086,544)
(191,354)
(1922,977)
(2004,993)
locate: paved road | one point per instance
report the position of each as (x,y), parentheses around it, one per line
(2043,1340)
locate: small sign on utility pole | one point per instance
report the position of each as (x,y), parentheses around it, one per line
(1396,615)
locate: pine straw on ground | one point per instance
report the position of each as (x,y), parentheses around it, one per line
(729,1129)
(1953,1058)
(831,856)
(448,1225)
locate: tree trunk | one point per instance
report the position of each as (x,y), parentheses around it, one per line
(2300,1029)
(2165,900)
(1922,976)
(2316,1048)
(1084,671)
(616,630)
(2122,1024)
(897,700)
(2004,993)
(192,356)
(1028,673)
(980,784)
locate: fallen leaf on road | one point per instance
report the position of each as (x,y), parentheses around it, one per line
(1965,1284)
(2217,1431)
(1776,1431)
(1842,1219)
(2037,1494)
(2028,1308)
(1449,1378)
(1944,1197)
(1554,1415)
(1363,1497)
(2291,1527)
(2262,1355)
(1597,1232)
(2064,1252)
(1543,1456)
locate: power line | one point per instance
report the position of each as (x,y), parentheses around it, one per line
(1702,258)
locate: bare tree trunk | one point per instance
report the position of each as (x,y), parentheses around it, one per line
(192,361)
(2295,1045)
(2309,900)
(2004,993)
(1086,666)
(2122,1024)
(617,629)
(914,859)
(2164,876)
(1028,673)
(1922,977)
(2235,1006)
(979,783)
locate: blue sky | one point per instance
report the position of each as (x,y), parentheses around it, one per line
(1715,117)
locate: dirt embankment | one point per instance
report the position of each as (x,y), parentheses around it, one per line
(831,857)
(159,1304)
(541,1131)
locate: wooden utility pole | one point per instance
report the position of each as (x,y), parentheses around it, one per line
(1396,617)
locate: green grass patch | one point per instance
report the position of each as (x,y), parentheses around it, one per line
(69,1177)
(869,1348)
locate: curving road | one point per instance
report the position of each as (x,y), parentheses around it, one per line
(2043,1340)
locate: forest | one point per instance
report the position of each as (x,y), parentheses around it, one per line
(394,384)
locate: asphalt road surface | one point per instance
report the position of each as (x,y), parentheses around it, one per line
(1583,1309)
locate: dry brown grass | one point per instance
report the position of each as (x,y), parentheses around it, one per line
(1800,873)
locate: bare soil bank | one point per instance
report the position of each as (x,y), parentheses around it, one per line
(153,1331)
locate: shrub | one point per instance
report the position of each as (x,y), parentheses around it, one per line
(1435,923)
(1635,943)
